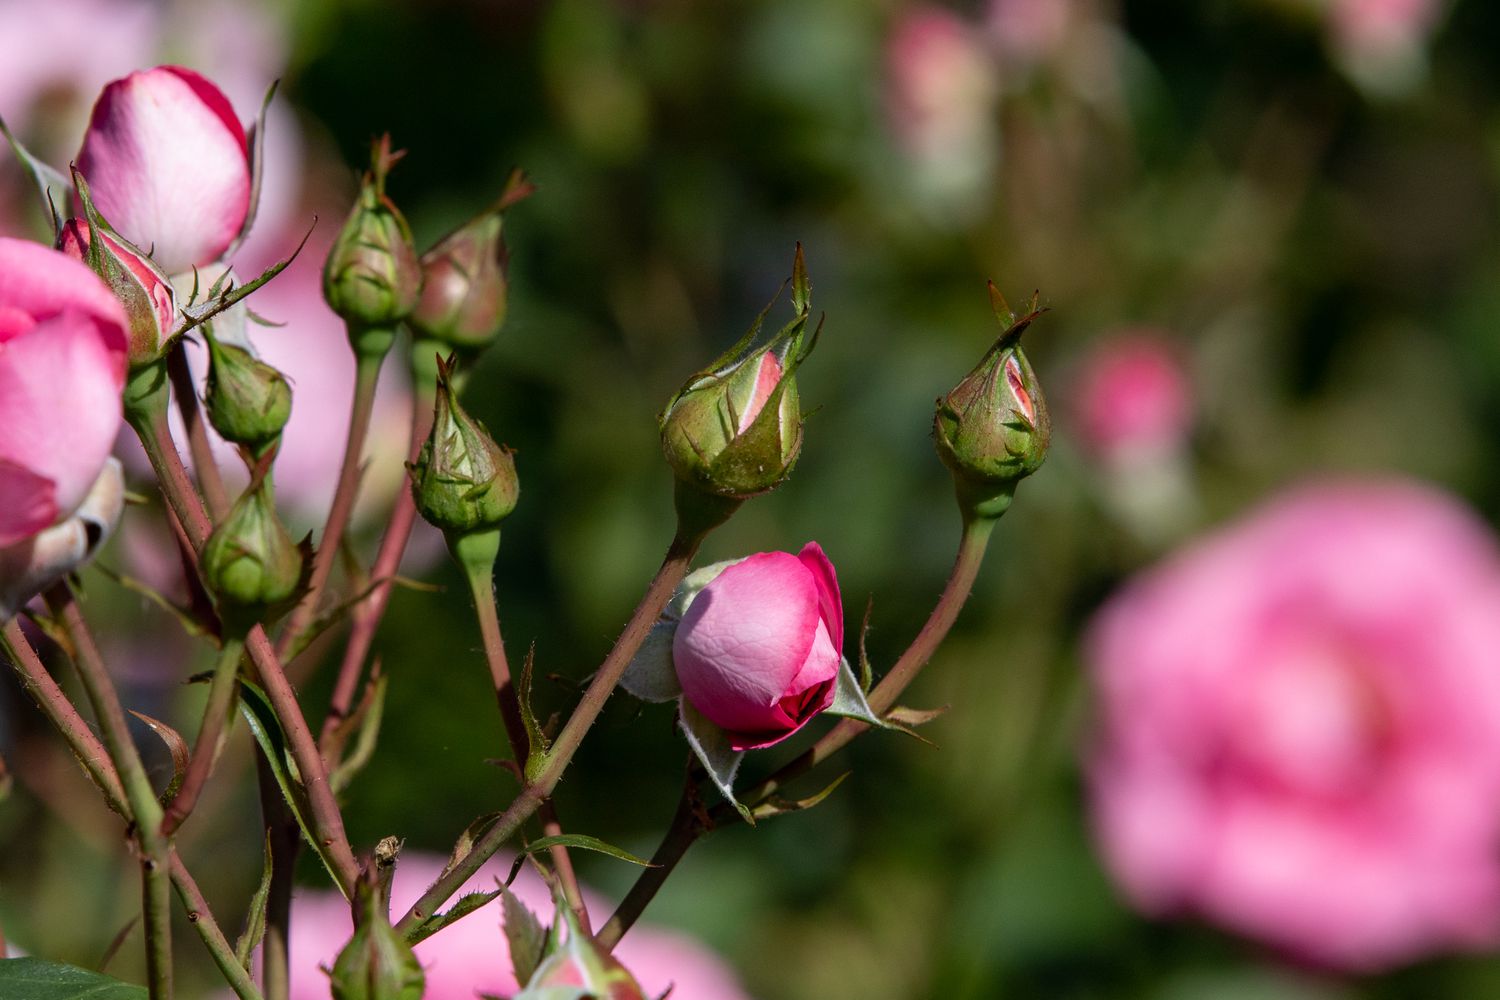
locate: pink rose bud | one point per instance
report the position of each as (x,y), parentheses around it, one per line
(62,369)
(1299,727)
(169,166)
(1133,397)
(757,652)
(144,291)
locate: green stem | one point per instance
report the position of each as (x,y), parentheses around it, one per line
(204,463)
(366,376)
(156,885)
(688,824)
(673,568)
(216,714)
(480,576)
(95,759)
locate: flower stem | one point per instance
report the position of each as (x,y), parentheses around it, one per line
(139,795)
(673,568)
(204,463)
(688,824)
(366,376)
(90,752)
(216,714)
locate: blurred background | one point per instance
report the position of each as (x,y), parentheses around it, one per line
(1279,216)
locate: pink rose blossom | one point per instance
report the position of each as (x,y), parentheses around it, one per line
(1132,396)
(1300,727)
(62,369)
(758,650)
(167,161)
(153,309)
(472,956)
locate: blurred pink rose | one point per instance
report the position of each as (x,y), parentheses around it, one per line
(757,652)
(1300,727)
(1030,30)
(167,161)
(151,301)
(1132,396)
(62,368)
(1383,25)
(472,956)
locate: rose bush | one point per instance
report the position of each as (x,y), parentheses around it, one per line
(168,164)
(757,651)
(1300,727)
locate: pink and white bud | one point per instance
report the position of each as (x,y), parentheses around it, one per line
(1382,44)
(757,652)
(63,343)
(1132,398)
(146,293)
(168,164)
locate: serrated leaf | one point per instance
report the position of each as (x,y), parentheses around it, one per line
(526,935)
(198,315)
(256,708)
(255,920)
(711,746)
(465,843)
(38,979)
(586,843)
(176,746)
(462,907)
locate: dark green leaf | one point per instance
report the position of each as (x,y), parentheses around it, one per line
(586,843)
(36,979)
(526,935)
(255,920)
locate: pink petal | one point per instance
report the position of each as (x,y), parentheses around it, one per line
(830,603)
(37,283)
(28,503)
(809,693)
(165,159)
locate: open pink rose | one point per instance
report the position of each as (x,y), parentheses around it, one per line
(62,368)
(472,957)
(168,165)
(1300,727)
(757,652)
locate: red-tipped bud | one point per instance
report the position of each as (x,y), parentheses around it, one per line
(142,288)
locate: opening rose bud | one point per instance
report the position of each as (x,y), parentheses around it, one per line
(169,165)
(757,652)
(62,369)
(145,292)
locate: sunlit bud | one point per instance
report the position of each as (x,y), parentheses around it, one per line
(250,563)
(248,400)
(462,481)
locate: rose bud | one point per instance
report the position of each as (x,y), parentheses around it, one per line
(169,165)
(142,288)
(249,402)
(734,430)
(377,963)
(372,277)
(757,651)
(63,340)
(463,278)
(578,962)
(250,563)
(992,429)
(462,481)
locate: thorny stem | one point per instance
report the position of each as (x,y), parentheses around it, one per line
(328,823)
(204,463)
(216,714)
(691,822)
(366,376)
(673,568)
(86,747)
(140,797)
(368,613)
(481,586)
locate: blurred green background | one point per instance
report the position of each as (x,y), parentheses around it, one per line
(1311,224)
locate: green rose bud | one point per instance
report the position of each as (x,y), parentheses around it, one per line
(372,277)
(250,563)
(248,400)
(462,481)
(992,429)
(377,963)
(463,298)
(735,429)
(577,966)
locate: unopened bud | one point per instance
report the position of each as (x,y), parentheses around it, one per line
(464,286)
(248,400)
(372,277)
(145,292)
(462,481)
(580,962)
(377,963)
(992,429)
(735,429)
(250,563)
